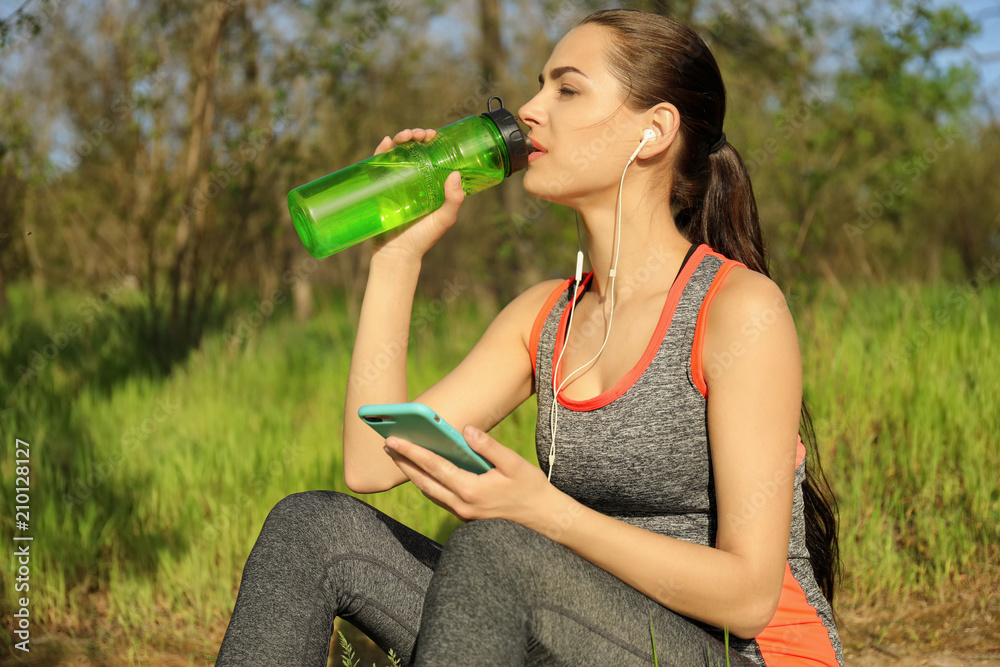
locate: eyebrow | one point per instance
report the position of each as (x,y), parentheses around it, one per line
(560,71)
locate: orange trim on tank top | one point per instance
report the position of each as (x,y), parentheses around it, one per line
(543,314)
(796,635)
(697,369)
(662,326)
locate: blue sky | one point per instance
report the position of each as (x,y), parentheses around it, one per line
(987,12)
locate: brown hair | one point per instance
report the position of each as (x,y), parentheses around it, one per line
(658,59)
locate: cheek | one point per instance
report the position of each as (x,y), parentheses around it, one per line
(583,163)
(562,181)
(542,183)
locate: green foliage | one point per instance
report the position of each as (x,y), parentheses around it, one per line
(175,172)
(148,490)
(349,660)
(908,426)
(348,651)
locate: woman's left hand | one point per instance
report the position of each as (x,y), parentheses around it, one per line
(513,489)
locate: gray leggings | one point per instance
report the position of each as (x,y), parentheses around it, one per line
(497,594)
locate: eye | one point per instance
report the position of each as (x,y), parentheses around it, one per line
(566,92)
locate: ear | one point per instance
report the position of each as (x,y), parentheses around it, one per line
(665,120)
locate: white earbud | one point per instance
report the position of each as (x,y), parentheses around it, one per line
(647,135)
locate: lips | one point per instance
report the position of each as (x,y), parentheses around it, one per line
(539,150)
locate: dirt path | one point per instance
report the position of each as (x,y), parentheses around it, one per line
(956,633)
(963,630)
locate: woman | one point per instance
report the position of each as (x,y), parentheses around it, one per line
(672,500)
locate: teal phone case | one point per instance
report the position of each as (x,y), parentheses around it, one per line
(422,426)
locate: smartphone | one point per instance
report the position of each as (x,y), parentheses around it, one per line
(422,426)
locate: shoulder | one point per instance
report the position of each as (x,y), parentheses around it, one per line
(743,295)
(525,309)
(518,316)
(748,324)
(536,295)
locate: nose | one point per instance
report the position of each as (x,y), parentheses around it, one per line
(531,113)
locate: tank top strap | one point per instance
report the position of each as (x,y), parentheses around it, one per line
(676,324)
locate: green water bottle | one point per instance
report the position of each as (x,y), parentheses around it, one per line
(407,182)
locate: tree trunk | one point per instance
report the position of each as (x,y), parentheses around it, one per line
(184,273)
(491,55)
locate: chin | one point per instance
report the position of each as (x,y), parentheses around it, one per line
(539,187)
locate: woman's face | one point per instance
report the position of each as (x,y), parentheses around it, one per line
(582,132)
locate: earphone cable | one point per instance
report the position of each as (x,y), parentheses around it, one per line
(612,273)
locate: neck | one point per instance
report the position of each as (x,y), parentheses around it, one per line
(650,248)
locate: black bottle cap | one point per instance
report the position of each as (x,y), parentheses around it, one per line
(517,142)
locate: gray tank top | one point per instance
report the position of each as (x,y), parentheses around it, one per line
(640,451)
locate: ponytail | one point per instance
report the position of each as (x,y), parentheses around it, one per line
(821,515)
(726,217)
(658,59)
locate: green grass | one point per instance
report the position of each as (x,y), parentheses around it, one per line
(148,490)
(348,658)
(904,386)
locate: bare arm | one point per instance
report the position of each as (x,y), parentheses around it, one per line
(753,419)
(493,379)
(378,363)
(753,410)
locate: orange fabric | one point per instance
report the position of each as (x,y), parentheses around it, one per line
(796,635)
(800,453)
(630,378)
(697,362)
(550,302)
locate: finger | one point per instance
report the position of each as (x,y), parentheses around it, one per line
(426,482)
(486,446)
(417,475)
(441,220)
(402,137)
(413,134)
(383,145)
(437,467)
(454,195)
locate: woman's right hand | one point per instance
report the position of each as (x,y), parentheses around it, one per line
(411,242)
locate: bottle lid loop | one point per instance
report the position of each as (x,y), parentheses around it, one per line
(517,143)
